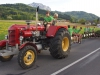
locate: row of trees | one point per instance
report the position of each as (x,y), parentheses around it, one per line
(16,12)
(23,12)
(84,21)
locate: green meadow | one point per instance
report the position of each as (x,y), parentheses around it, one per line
(5,24)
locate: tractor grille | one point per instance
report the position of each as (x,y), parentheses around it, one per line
(11,37)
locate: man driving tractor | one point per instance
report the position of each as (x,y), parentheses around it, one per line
(48,20)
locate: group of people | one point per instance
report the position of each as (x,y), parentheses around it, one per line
(88,30)
(76,35)
(50,20)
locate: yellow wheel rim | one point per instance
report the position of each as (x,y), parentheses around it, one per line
(6,57)
(29,57)
(65,44)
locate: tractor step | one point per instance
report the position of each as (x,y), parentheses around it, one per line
(8,52)
(43,37)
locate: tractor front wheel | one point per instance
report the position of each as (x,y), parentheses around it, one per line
(5,58)
(60,44)
(27,57)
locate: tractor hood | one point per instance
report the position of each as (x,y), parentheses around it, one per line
(24,27)
(14,32)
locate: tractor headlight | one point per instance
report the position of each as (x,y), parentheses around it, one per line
(33,32)
(21,38)
(6,36)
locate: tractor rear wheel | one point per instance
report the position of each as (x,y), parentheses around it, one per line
(27,57)
(61,44)
(5,58)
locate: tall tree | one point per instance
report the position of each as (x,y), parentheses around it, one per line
(82,21)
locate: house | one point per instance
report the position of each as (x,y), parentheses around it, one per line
(90,23)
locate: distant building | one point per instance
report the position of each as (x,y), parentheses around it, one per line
(98,25)
(90,23)
(87,23)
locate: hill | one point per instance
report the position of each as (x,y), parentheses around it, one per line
(21,11)
(82,15)
(74,14)
(41,6)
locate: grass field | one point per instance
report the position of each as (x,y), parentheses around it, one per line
(5,24)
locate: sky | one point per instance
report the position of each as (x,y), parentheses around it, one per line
(89,6)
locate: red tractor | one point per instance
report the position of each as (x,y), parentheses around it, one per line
(28,40)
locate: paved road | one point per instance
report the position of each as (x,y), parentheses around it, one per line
(79,62)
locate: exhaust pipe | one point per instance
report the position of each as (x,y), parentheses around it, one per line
(37,9)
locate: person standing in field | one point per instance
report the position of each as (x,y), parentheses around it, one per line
(74,35)
(48,20)
(77,35)
(93,32)
(89,31)
(86,31)
(70,30)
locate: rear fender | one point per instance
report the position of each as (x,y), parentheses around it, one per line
(53,29)
(3,43)
(32,44)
